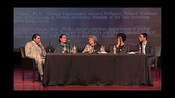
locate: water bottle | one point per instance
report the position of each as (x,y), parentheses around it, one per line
(74,49)
(140,51)
(114,49)
(102,49)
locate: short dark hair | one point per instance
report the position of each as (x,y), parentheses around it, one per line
(61,37)
(35,35)
(145,35)
(122,35)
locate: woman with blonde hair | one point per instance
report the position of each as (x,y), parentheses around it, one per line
(92,46)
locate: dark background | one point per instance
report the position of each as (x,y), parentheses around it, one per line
(8,42)
(80,22)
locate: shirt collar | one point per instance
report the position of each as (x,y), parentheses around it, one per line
(145,43)
(34,42)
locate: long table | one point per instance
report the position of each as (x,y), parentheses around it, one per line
(124,69)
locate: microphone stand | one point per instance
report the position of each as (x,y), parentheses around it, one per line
(69,46)
(120,45)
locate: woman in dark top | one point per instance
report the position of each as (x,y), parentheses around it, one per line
(121,45)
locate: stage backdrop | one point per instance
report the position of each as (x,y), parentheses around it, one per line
(79,23)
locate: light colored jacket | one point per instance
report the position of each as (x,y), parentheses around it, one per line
(32,50)
(88,49)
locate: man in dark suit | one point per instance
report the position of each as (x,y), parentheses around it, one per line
(147,49)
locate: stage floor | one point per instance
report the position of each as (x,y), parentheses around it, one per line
(27,84)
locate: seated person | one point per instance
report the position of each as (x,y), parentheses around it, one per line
(34,49)
(63,46)
(121,45)
(93,46)
(144,46)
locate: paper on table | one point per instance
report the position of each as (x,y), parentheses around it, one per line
(102,52)
(131,52)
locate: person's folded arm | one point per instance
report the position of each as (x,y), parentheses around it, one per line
(43,51)
(85,49)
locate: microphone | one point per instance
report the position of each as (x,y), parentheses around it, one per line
(141,43)
(68,42)
(140,46)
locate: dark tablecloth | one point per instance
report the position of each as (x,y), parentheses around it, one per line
(125,69)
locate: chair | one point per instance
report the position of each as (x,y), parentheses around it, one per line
(157,58)
(157,55)
(27,64)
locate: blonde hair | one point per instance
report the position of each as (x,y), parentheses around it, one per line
(93,37)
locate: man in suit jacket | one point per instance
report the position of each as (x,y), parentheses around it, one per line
(34,49)
(146,48)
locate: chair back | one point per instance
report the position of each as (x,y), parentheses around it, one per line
(158,51)
(22,50)
(157,55)
(27,63)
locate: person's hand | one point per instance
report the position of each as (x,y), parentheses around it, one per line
(73,52)
(64,49)
(118,42)
(40,45)
(121,42)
